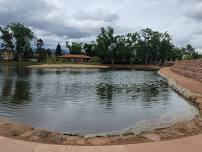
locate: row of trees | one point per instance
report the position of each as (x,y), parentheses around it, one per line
(141,48)
(145,47)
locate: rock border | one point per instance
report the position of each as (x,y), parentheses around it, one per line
(196,99)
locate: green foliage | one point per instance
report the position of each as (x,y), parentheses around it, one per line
(105,45)
(144,47)
(41,52)
(23,36)
(58,51)
(176,54)
(39,44)
(51,59)
(29,54)
(74,47)
(6,37)
(95,60)
(89,49)
(190,53)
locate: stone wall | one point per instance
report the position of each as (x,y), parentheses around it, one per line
(189,68)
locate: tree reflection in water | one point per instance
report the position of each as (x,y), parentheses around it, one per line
(16,86)
(105,93)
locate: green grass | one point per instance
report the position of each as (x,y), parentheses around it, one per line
(16,63)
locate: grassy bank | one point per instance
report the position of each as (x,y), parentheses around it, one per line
(16,63)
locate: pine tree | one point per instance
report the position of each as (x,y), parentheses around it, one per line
(58,51)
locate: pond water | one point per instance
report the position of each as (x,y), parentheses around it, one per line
(89,101)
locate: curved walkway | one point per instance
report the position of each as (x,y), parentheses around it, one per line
(190,144)
(187,83)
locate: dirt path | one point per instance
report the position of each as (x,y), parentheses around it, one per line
(190,144)
(189,84)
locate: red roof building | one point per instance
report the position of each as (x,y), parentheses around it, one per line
(76,57)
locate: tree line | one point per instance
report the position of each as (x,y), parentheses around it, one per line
(144,47)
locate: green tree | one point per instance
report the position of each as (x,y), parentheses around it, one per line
(23,37)
(166,47)
(39,44)
(28,54)
(41,52)
(190,52)
(176,54)
(58,51)
(189,49)
(89,49)
(74,47)
(105,45)
(7,39)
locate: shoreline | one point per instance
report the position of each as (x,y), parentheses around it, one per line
(184,86)
(99,66)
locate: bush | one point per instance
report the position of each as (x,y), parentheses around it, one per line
(56,60)
(51,59)
(95,60)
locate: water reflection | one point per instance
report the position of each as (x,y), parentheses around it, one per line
(21,71)
(88,101)
(6,88)
(105,93)
(15,87)
(21,93)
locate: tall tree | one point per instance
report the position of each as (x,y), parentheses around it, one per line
(41,53)
(105,44)
(74,47)
(89,49)
(189,49)
(7,39)
(39,44)
(23,37)
(58,51)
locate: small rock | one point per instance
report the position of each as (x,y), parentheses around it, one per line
(200,106)
(152,137)
(26,134)
(34,138)
(58,138)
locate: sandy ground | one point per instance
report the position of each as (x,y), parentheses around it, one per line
(189,144)
(190,84)
(143,67)
(178,130)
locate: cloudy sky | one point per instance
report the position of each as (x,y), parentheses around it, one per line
(60,20)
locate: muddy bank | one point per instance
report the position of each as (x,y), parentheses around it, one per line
(28,133)
(189,88)
(113,66)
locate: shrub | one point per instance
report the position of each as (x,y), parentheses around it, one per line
(95,60)
(51,59)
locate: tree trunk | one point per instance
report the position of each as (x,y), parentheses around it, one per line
(20,57)
(146,58)
(8,55)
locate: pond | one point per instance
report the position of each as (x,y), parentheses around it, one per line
(90,101)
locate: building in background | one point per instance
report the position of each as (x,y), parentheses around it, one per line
(76,58)
(7,55)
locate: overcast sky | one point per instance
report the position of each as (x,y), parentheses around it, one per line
(60,20)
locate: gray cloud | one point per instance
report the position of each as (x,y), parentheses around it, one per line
(60,20)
